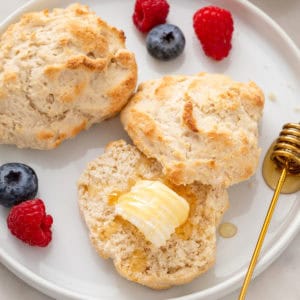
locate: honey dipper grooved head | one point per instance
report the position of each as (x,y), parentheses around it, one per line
(286,152)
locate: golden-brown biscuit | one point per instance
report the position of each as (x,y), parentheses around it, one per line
(200,128)
(60,72)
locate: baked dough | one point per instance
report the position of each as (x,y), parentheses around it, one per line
(200,128)
(60,72)
(188,253)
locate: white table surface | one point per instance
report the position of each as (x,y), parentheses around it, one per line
(281,280)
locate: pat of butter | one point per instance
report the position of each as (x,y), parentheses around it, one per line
(154,209)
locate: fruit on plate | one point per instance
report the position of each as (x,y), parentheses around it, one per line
(149,13)
(29,222)
(214,27)
(165,42)
(18,182)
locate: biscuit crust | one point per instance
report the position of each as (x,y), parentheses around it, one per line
(200,128)
(60,72)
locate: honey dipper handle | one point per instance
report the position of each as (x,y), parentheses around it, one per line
(262,235)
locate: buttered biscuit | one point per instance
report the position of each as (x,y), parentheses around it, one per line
(60,72)
(199,128)
(186,254)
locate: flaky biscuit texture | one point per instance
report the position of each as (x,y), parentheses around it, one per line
(189,252)
(200,128)
(60,72)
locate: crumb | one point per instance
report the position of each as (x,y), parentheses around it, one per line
(272,97)
(250,184)
(297,109)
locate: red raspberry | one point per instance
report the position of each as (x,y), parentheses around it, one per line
(28,222)
(149,13)
(214,27)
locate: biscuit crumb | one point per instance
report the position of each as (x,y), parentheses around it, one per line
(272,97)
(250,184)
(297,109)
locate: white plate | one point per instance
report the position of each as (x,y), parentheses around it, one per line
(69,267)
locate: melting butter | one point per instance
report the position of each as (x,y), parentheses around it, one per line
(154,208)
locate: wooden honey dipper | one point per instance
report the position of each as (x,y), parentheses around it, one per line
(285,154)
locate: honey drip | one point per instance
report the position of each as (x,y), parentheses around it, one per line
(271,174)
(227,230)
(138,261)
(185,230)
(113,197)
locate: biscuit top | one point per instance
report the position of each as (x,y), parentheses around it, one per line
(200,128)
(60,72)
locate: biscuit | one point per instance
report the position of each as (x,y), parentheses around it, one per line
(199,128)
(60,72)
(189,252)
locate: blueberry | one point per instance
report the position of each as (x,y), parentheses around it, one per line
(18,182)
(165,41)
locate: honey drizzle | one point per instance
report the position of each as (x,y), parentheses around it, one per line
(185,230)
(227,230)
(138,261)
(113,197)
